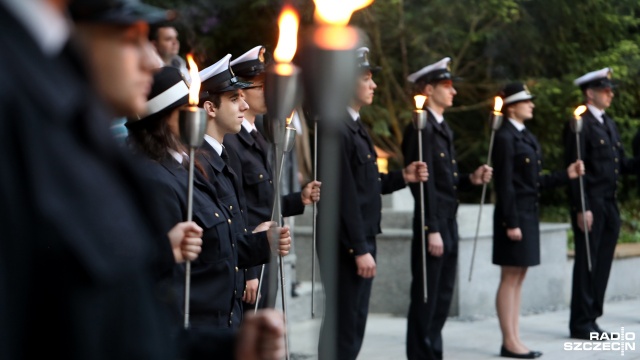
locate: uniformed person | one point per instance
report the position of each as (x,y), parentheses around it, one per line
(215,289)
(517,164)
(424,328)
(254,165)
(604,162)
(359,211)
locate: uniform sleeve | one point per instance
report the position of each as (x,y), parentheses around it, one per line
(292,204)
(253,250)
(503,154)
(557,178)
(392,181)
(570,156)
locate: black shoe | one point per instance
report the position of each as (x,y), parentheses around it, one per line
(584,334)
(530,355)
(599,330)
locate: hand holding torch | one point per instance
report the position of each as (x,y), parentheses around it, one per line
(496,122)
(192,123)
(576,127)
(419,122)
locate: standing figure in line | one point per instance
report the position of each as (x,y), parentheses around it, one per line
(425,321)
(604,161)
(359,210)
(254,165)
(517,163)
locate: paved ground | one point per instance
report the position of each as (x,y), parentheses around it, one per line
(480,338)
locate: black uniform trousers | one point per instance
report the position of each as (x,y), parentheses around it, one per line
(588,289)
(425,321)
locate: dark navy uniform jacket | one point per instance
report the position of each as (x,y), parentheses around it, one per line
(216,280)
(257,182)
(603,157)
(441,200)
(360,188)
(518,173)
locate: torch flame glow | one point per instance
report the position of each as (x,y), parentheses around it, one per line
(290,118)
(338,12)
(419,100)
(497,104)
(579,111)
(194,88)
(287,40)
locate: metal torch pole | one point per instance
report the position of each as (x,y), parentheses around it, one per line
(495,125)
(314,219)
(187,280)
(584,217)
(419,122)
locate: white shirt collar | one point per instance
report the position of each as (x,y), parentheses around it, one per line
(519,126)
(439,117)
(248,126)
(596,112)
(177,156)
(354,114)
(214,143)
(46,25)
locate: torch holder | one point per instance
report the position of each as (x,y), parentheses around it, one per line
(496,120)
(576,125)
(282,92)
(419,119)
(193,123)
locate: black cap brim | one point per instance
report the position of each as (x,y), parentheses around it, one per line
(125,13)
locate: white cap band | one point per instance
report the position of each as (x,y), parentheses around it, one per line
(167,97)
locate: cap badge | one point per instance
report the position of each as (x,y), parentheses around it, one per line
(261,54)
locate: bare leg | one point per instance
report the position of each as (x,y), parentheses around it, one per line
(507,306)
(516,315)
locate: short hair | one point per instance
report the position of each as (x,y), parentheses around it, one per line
(215,98)
(153,30)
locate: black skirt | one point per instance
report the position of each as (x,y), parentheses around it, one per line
(525,252)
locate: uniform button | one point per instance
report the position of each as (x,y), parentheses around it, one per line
(230,322)
(260,176)
(245,230)
(539,162)
(232,313)
(236,269)
(455,187)
(375,163)
(616,159)
(601,141)
(539,195)
(233,245)
(453,161)
(270,182)
(230,207)
(350,251)
(234,292)
(441,154)
(613,148)
(241,211)
(618,143)
(229,221)
(540,173)
(538,184)
(616,171)
(216,214)
(527,160)
(368,156)
(455,174)
(426,228)
(379,179)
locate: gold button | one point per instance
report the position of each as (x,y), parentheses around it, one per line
(230,322)
(616,159)
(527,160)
(260,176)
(230,207)
(618,143)
(234,292)
(601,141)
(245,230)
(426,228)
(233,245)
(368,156)
(455,174)
(539,162)
(538,184)
(613,147)
(236,269)
(441,154)
(616,171)
(270,182)
(453,161)
(232,313)
(350,251)
(540,173)
(229,221)
(455,187)
(216,214)
(379,179)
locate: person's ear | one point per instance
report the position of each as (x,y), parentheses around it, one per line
(209,108)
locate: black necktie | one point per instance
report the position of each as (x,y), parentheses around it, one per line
(224,156)
(262,143)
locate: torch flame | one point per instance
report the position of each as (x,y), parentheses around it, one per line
(497,104)
(579,111)
(419,100)
(338,12)
(290,118)
(287,40)
(194,88)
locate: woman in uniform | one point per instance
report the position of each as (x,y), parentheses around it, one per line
(517,160)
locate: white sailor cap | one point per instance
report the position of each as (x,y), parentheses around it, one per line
(250,64)
(598,79)
(219,78)
(169,91)
(362,60)
(515,92)
(433,73)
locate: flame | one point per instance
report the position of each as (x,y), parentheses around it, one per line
(288,38)
(419,100)
(194,88)
(497,104)
(290,118)
(338,12)
(579,111)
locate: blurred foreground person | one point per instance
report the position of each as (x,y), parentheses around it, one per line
(426,320)
(519,178)
(359,210)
